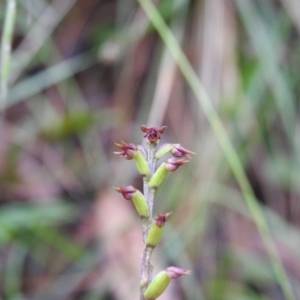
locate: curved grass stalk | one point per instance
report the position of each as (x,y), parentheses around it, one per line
(6,40)
(224,141)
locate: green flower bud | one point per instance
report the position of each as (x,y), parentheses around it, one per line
(159,176)
(141,163)
(161,282)
(163,170)
(140,204)
(157,286)
(138,199)
(156,230)
(164,149)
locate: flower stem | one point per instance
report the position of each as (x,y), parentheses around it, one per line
(146,265)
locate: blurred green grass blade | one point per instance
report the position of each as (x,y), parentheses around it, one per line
(12,277)
(156,108)
(59,241)
(51,76)
(73,276)
(265,40)
(16,217)
(224,141)
(6,40)
(175,251)
(36,37)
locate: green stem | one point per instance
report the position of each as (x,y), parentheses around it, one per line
(146,265)
(152,162)
(224,141)
(6,48)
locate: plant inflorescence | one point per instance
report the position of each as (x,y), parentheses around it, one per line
(145,159)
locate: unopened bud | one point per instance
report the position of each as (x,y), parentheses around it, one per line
(163,150)
(159,176)
(138,199)
(163,170)
(156,230)
(162,280)
(141,163)
(173,164)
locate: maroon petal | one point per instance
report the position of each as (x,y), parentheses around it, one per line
(127,150)
(179,151)
(126,191)
(161,219)
(173,164)
(152,133)
(175,272)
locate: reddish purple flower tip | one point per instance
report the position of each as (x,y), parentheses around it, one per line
(161,219)
(179,151)
(173,164)
(127,150)
(175,272)
(152,133)
(126,191)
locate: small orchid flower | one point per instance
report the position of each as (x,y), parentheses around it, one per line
(138,199)
(152,133)
(131,151)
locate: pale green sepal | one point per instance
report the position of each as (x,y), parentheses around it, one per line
(141,163)
(140,204)
(164,149)
(157,286)
(158,176)
(154,236)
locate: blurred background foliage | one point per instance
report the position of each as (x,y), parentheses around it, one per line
(83,74)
